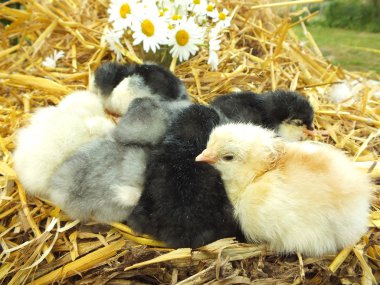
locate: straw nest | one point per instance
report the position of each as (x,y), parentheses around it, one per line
(260,52)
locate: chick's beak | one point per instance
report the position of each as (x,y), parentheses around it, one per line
(206,156)
(309,132)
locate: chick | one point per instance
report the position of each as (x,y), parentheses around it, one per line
(302,197)
(119,84)
(55,133)
(103,180)
(286,112)
(184,203)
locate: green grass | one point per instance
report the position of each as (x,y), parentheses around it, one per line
(346,47)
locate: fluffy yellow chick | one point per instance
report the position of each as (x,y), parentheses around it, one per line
(302,197)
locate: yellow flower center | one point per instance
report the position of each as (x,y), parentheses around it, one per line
(176,17)
(124,10)
(162,12)
(147,27)
(210,8)
(171,27)
(222,16)
(197,2)
(182,37)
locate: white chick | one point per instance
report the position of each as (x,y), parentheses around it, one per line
(55,133)
(302,197)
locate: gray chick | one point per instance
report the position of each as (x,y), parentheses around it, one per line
(103,180)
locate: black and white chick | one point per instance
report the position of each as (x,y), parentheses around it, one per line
(288,113)
(118,84)
(184,203)
(103,180)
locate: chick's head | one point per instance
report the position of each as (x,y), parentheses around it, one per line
(144,123)
(240,151)
(290,113)
(83,104)
(108,76)
(193,125)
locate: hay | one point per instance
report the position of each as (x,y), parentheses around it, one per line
(260,52)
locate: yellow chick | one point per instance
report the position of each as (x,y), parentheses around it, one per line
(304,197)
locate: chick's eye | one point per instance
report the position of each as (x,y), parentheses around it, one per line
(228,157)
(297,122)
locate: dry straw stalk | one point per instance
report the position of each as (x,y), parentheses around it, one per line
(259,52)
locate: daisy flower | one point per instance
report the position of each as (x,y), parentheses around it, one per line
(213,59)
(185,39)
(172,12)
(112,38)
(174,15)
(170,4)
(223,20)
(161,4)
(121,13)
(51,61)
(149,3)
(150,29)
(214,46)
(198,7)
(211,11)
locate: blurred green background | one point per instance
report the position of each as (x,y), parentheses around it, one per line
(347,32)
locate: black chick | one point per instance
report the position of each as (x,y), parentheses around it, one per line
(119,84)
(184,203)
(286,112)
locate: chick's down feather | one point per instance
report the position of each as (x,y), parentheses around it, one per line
(55,133)
(103,180)
(119,84)
(184,203)
(302,197)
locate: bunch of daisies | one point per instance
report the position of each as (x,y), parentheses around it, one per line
(183,26)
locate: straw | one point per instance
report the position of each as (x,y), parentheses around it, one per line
(259,52)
